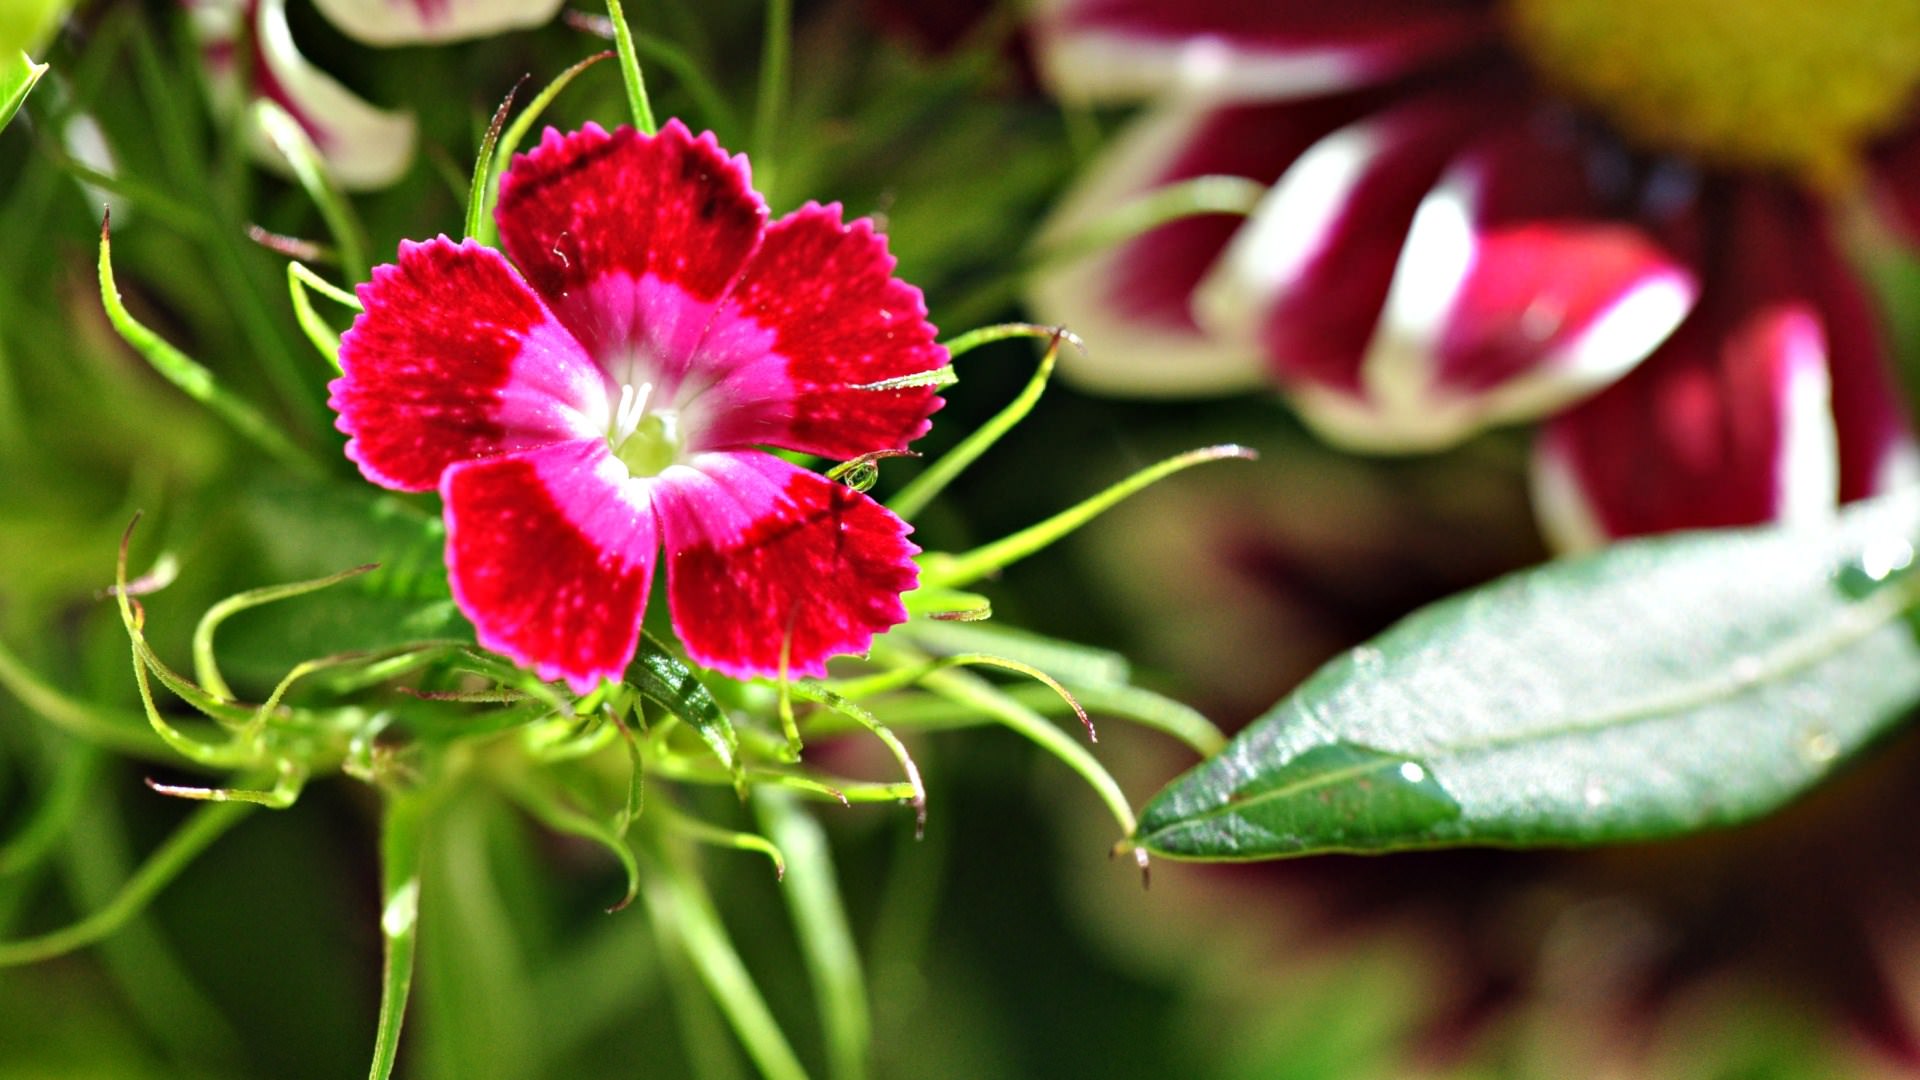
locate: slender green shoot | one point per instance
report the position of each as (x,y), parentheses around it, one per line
(682,911)
(299,280)
(820,694)
(630,70)
(483,162)
(550,810)
(826,941)
(957,571)
(293,143)
(285,791)
(400,842)
(205,668)
(968,689)
(165,864)
(1200,195)
(922,489)
(186,373)
(769,103)
(516,133)
(706,832)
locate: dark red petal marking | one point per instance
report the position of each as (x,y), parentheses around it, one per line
(1728,422)
(816,313)
(758,549)
(599,222)
(550,553)
(455,359)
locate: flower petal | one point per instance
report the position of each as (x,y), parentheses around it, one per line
(454,359)
(631,239)
(1731,421)
(1725,425)
(405,22)
(1104,49)
(759,550)
(816,314)
(363,147)
(1308,276)
(1132,302)
(1515,294)
(550,553)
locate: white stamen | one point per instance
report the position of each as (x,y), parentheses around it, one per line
(631,410)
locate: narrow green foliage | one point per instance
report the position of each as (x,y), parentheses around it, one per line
(776,47)
(705,832)
(970,690)
(534,795)
(299,280)
(815,692)
(483,163)
(630,70)
(1200,195)
(947,605)
(96,725)
(484,228)
(194,380)
(955,571)
(819,916)
(74,773)
(285,791)
(682,912)
(400,841)
(1071,663)
(205,667)
(1651,690)
(923,488)
(18,74)
(167,861)
(293,143)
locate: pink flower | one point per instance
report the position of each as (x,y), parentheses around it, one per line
(605,392)
(1620,216)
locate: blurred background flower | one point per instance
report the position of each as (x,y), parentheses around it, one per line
(250,55)
(1485,212)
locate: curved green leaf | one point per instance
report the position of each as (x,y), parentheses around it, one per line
(1658,688)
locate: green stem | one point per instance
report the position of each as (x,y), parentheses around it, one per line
(680,907)
(630,70)
(955,571)
(400,836)
(165,864)
(775,49)
(826,941)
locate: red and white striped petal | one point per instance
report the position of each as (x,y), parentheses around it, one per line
(633,240)
(1729,423)
(761,553)
(455,358)
(363,147)
(1307,278)
(1132,302)
(550,553)
(816,314)
(1100,50)
(407,22)
(1507,308)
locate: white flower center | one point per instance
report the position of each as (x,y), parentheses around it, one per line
(645,442)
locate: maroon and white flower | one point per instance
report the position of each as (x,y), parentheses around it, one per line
(604,388)
(1486,211)
(248,49)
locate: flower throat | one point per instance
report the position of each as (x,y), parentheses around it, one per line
(1783,85)
(645,442)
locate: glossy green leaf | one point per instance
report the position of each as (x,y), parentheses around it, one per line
(1658,688)
(665,681)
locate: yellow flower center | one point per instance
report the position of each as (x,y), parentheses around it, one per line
(1800,86)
